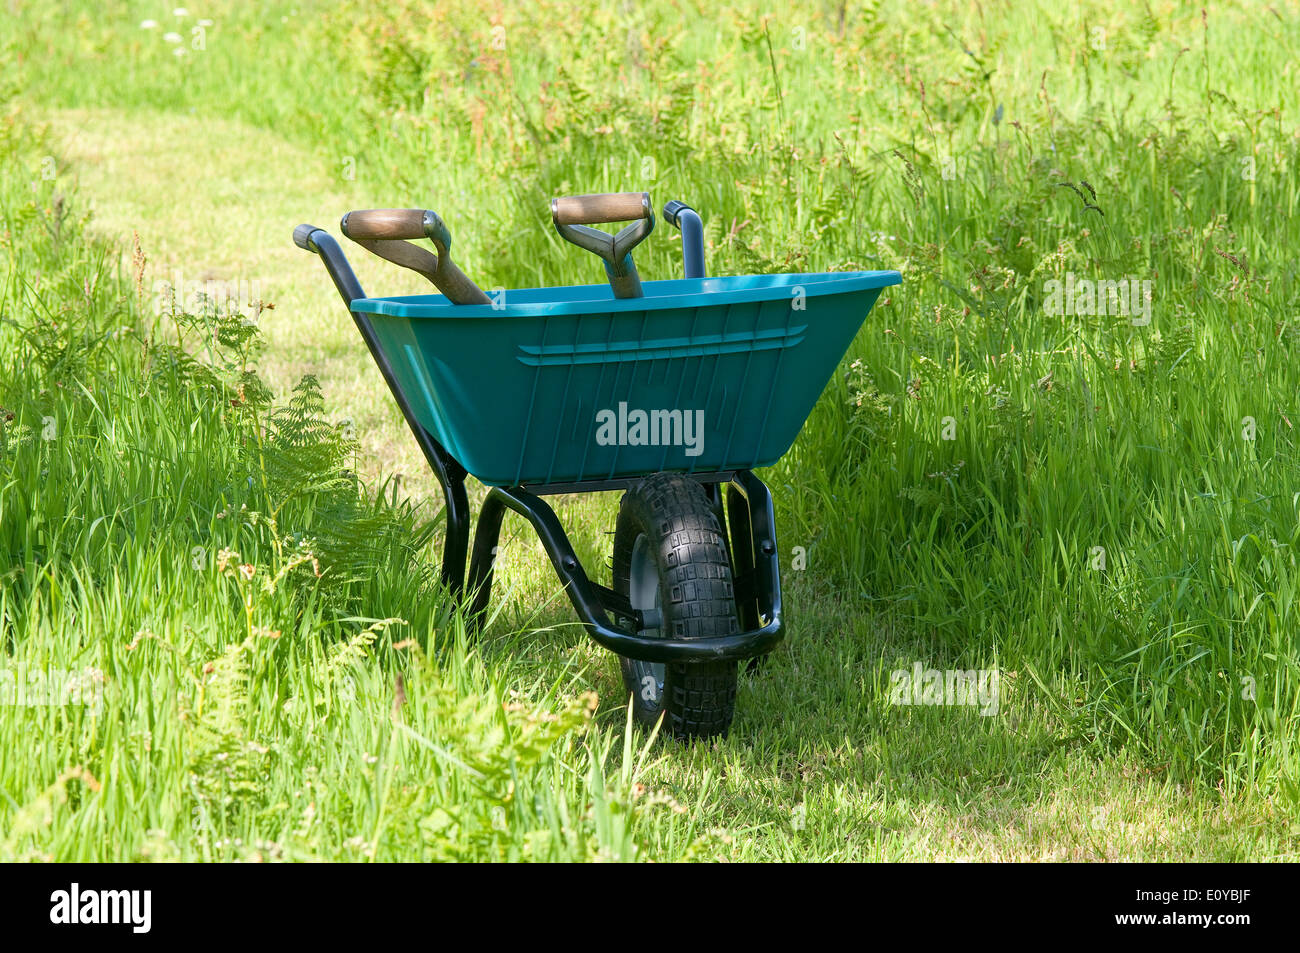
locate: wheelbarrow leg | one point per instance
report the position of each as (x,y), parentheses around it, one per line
(486,537)
(456,545)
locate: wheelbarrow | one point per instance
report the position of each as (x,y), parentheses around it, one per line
(671,391)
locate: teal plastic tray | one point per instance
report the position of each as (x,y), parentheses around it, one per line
(548,385)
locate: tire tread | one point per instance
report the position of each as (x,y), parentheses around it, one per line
(696,594)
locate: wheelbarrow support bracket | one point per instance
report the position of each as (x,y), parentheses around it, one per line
(748,500)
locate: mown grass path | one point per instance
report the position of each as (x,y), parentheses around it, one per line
(215,200)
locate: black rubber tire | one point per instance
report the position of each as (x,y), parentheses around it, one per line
(689,554)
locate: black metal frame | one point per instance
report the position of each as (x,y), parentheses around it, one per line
(745,507)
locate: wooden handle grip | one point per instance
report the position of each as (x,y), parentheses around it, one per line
(601,209)
(384,223)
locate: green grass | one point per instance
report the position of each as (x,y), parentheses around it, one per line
(1079,501)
